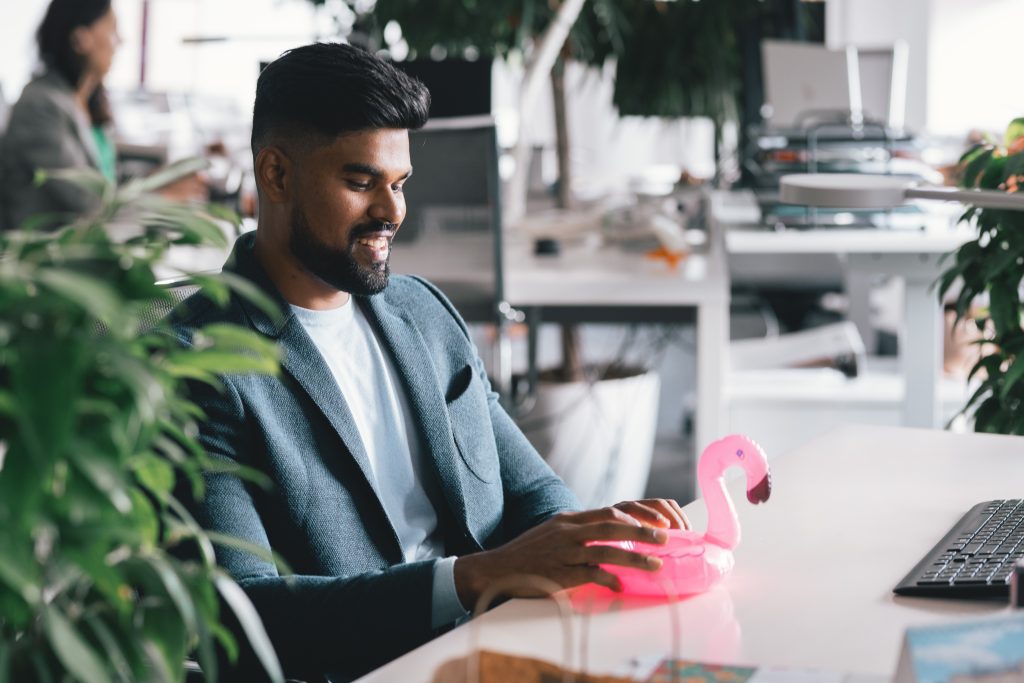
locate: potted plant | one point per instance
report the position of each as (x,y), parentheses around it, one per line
(989,271)
(95,431)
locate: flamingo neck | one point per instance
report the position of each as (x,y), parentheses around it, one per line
(723,526)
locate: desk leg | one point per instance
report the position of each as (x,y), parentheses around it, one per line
(921,352)
(921,333)
(712,347)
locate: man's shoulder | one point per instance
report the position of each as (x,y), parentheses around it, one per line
(199,310)
(410,288)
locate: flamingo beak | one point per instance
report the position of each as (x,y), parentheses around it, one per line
(760,492)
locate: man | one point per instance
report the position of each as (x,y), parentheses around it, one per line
(402,490)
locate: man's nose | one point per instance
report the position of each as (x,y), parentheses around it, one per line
(388,206)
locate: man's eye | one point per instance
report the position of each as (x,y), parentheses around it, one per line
(358,185)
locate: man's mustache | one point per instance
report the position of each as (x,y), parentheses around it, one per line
(374,228)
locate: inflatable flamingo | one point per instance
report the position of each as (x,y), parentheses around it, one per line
(693,562)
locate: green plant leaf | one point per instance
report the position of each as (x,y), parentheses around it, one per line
(175,588)
(1012,376)
(111,647)
(265,554)
(19,577)
(972,152)
(155,473)
(253,294)
(5,662)
(144,518)
(1004,307)
(73,651)
(165,176)
(976,166)
(193,363)
(89,179)
(1013,131)
(251,624)
(94,296)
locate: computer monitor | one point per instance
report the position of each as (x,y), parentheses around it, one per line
(883,83)
(804,80)
(452,231)
(457,87)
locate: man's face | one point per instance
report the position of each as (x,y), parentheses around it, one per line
(347,207)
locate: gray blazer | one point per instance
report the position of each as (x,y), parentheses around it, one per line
(47,130)
(353,602)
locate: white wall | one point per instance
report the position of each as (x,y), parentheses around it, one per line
(974,78)
(606,149)
(882,22)
(964,56)
(255,30)
(19,20)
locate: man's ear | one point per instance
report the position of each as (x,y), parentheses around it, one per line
(274,174)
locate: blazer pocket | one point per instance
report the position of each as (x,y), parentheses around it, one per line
(471,427)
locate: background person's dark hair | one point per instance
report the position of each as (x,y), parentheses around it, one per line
(55,50)
(329,89)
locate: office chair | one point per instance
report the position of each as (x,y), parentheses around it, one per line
(452,234)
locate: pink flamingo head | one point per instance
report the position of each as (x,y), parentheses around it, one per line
(744,452)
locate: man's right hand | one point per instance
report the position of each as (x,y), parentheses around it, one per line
(559,550)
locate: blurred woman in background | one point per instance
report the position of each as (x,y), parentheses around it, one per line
(61,120)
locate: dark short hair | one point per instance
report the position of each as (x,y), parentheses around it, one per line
(57,54)
(328,89)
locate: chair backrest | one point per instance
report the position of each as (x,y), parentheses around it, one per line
(452,230)
(178,290)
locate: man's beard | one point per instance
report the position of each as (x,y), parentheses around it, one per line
(338,267)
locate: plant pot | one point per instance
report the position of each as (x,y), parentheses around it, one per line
(598,436)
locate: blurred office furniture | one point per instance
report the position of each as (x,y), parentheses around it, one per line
(905,397)
(831,110)
(608,284)
(452,233)
(821,554)
(458,87)
(806,80)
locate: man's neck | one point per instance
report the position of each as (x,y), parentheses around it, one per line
(297,285)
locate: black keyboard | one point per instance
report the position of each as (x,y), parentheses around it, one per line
(975,559)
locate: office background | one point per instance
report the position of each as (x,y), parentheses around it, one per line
(956,83)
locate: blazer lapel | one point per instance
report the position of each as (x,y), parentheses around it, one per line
(82,126)
(400,337)
(303,362)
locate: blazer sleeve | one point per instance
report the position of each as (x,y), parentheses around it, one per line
(317,624)
(532,491)
(42,136)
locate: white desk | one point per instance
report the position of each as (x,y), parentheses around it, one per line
(913,255)
(609,283)
(850,514)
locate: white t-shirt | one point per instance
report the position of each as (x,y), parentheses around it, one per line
(379,406)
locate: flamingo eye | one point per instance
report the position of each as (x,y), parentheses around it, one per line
(739,453)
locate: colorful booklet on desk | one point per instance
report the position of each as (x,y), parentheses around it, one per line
(981,651)
(686,671)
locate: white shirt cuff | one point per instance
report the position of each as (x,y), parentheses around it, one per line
(445,605)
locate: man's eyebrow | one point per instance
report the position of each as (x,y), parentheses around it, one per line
(370,170)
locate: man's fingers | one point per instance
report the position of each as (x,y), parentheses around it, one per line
(606,554)
(602,515)
(670,509)
(682,515)
(644,513)
(604,578)
(618,531)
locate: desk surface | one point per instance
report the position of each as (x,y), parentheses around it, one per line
(613,277)
(739,214)
(814,572)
